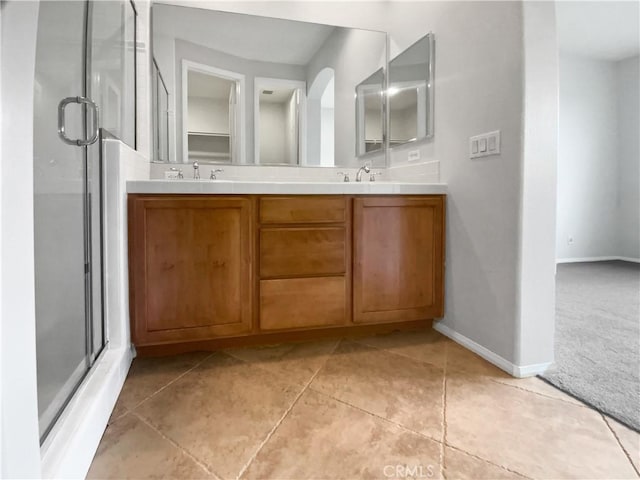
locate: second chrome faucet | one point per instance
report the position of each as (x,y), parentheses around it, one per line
(365,169)
(196,172)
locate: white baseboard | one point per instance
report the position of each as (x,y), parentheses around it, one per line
(519,371)
(597,259)
(629,259)
(70,447)
(531,370)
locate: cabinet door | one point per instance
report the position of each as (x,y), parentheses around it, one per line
(398,258)
(191,267)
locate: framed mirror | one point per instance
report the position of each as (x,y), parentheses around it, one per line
(246,89)
(370,115)
(410,93)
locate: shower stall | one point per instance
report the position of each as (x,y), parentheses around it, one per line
(85,89)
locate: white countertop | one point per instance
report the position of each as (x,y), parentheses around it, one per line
(283,188)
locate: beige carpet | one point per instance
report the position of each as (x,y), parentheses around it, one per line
(597,357)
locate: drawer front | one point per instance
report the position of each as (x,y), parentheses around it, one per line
(303,209)
(302,303)
(290,252)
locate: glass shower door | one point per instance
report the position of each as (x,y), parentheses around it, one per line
(62,216)
(84,80)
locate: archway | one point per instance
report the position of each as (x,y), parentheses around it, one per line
(320,118)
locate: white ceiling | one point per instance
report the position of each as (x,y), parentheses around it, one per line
(279,95)
(246,36)
(605,30)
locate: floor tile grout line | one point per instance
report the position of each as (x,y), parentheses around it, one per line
(259,365)
(386,420)
(615,435)
(113,419)
(178,446)
(394,353)
(478,457)
(307,386)
(172,381)
(391,422)
(444,414)
(387,350)
(324,364)
(445,441)
(282,418)
(581,405)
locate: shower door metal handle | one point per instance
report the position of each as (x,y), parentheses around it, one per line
(94,120)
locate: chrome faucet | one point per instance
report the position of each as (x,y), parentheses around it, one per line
(196,171)
(364,168)
(213,173)
(346,176)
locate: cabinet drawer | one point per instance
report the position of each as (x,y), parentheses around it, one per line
(303,209)
(290,252)
(303,302)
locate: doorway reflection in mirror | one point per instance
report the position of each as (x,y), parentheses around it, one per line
(210,112)
(279,123)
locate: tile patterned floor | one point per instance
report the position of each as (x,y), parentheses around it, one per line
(405,405)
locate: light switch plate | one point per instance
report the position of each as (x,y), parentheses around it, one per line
(484,145)
(491,143)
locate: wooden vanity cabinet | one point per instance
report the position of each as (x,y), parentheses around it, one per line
(190,263)
(398,250)
(211,271)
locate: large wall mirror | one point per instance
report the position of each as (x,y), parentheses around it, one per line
(244,89)
(410,93)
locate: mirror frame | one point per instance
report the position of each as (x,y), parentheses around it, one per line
(361,122)
(430,97)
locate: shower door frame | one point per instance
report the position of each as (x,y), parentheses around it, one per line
(92,354)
